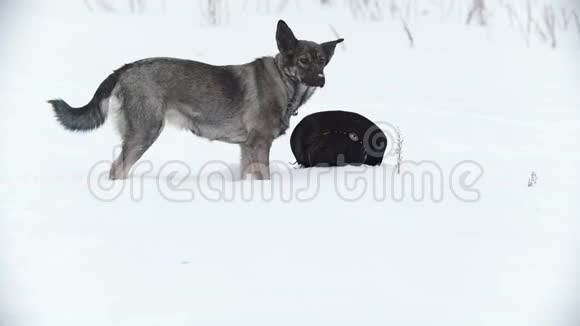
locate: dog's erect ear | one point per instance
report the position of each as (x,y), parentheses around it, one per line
(328,48)
(285,38)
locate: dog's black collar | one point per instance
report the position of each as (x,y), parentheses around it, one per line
(291,99)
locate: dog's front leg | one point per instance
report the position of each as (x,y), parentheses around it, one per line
(256,159)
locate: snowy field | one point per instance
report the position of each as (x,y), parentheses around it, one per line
(177,245)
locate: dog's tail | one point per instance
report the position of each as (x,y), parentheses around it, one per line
(90,116)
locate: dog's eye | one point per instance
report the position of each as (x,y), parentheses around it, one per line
(304,61)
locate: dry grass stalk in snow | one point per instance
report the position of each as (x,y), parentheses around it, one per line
(399,149)
(567,17)
(214,12)
(533,179)
(366,9)
(550,22)
(477,10)
(397,14)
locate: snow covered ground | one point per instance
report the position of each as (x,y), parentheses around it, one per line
(321,249)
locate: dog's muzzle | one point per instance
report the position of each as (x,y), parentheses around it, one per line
(319,80)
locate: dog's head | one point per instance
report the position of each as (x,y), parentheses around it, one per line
(301,60)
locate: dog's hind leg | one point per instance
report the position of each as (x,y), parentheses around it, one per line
(143,121)
(133,147)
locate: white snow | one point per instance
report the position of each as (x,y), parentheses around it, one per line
(320,248)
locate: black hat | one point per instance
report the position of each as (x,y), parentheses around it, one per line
(336,138)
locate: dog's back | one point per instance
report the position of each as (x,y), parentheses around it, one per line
(204,88)
(156,85)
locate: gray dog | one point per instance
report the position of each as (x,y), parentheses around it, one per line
(249,104)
